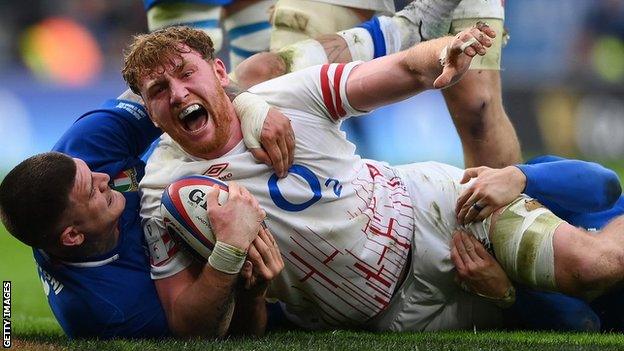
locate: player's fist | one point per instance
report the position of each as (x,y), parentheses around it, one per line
(264,264)
(237,221)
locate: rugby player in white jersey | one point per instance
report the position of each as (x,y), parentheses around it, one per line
(364,244)
(487,135)
(475,103)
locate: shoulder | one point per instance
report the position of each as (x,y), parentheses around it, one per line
(166,157)
(111,112)
(317,90)
(113,118)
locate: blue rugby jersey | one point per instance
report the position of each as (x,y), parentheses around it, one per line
(111,295)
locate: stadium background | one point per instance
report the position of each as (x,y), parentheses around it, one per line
(563,75)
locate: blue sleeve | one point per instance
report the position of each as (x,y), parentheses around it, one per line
(572,185)
(379,42)
(110,139)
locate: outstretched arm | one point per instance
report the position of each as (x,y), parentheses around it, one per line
(436,63)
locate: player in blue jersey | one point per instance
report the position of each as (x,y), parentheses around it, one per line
(565,187)
(81,216)
(104,289)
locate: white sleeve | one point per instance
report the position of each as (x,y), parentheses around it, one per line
(317,90)
(166,256)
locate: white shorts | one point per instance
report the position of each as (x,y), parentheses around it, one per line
(297,20)
(429,299)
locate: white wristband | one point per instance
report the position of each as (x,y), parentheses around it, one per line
(252,111)
(227,258)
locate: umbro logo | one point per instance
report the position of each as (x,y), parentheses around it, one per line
(216,170)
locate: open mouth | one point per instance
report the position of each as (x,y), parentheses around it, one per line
(194,117)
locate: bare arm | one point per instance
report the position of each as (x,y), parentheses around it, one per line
(199,301)
(265,263)
(396,77)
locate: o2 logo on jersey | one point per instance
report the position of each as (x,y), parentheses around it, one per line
(313,182)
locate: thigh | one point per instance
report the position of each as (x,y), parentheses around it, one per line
(296,20)
(199,15)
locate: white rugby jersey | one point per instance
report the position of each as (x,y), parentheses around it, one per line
(385,6)
(344,224)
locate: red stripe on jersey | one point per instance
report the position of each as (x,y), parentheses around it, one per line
(170,244)
(337,76)
(173,249)
(327,95)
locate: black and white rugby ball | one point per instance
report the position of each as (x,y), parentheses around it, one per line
(185,214)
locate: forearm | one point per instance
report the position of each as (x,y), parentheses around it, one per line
(205,307)
(395,77)
(232,90)
(422,61)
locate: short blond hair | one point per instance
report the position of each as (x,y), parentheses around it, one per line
(152,51)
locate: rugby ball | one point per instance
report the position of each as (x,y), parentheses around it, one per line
(185,213)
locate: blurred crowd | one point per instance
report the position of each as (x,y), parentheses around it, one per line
(563,69)
(110,23)
(570,38)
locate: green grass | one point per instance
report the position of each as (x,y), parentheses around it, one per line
(34,327)
(344,340)
(30,311)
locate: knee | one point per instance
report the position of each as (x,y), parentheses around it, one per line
(477,101)
(259,68)
(474,105)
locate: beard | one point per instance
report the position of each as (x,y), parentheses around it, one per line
(221,119)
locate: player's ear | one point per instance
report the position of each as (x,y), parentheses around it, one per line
(71,237)
(220,72)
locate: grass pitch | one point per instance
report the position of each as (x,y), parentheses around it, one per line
(34,326)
